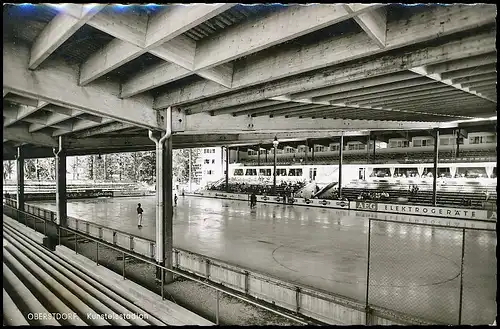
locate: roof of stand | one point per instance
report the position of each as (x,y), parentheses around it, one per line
(235,74)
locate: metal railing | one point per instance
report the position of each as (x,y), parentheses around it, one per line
(23,214)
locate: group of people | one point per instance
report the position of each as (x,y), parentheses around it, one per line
(376,196)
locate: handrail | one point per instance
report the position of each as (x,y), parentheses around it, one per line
(141,258)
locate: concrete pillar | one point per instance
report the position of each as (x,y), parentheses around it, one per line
(457,153)
(374,147)
(190,169)
(238,154)
(20,178)
(61,197)
(307,151)
(266,155)
(166,203)
(227,169)
(258,155)
(368,149)
(435,170)
(341,154)
(312,153)
(164,199)
(274,172)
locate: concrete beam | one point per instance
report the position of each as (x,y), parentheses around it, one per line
(112,127)
(56,118)
(205,123)
(177,19)
(413,96)
(59,29)
(266,110)
(21,134)
(475,78)
(98,99)
(336,50)
(472,45)
(164,26)
(374,23)
(81,125)
(448,95)
(246,107)
(298,108)
(446,78)
(468,63)
(255,35)
(356,88)
(409,87)
(21,112)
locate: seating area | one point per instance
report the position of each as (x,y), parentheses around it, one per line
(42,287)
(259,189)
(444,198)
(50,187)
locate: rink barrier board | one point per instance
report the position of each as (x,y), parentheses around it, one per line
(310,302)
(418,210)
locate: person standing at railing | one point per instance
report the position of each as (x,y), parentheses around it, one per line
(139,215)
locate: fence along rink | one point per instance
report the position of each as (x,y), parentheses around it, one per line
(452,283)
(329,307)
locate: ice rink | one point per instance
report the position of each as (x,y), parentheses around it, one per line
(413,269)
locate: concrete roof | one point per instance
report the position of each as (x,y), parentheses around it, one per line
(233,74)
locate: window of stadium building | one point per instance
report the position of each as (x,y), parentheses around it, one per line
(482,139)
(442,172)
(334,147)
(398,143)
(356,146)
(471,172)
(381,172)
(265,172)
(295,172)
(406,172)
(251,172)
(238,172)
(423,142)
(280,172)
(319,148)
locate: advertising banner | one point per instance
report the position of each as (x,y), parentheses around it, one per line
(425,210)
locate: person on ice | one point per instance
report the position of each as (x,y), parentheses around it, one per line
(253,200)
(139,215)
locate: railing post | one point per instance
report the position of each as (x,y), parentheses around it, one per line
(367,307)
(207,268)
(461,279)
(217,310)
(123,266)
(297,299)
(131,245)
(247,282)
(76,243)
(97,253)
(45,227)
(114,237)
(177,258)
(162,282)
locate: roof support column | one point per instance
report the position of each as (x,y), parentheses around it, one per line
(20,178)
(368,149)
(457,153)
(341,154)
(274,171)
(374,147)
(61,196)
(227,169)
(189,168)
(258,156)
(238,154)
(164,199)
(312,154)
(307,151)
(435,169)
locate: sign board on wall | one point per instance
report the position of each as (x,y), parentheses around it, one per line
(366,206)
(424,210)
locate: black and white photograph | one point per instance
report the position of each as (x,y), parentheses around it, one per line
(249,164)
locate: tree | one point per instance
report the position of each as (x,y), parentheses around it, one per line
(180,163)
(8,169)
